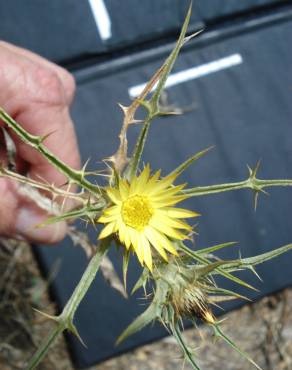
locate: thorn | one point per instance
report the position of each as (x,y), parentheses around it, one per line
(123,108)
(256,274)
(43,138)
(74,331)
(135,121)
(85,164)
(264,191)
(253,171)
(255,199)
(51,317)
(257,167)
(188,38)
(177,112)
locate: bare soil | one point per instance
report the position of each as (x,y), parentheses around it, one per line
(263,329)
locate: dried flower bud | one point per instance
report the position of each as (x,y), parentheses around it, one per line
(190,302)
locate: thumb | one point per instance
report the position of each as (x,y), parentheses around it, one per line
(19,217)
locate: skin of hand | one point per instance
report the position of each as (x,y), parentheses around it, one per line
(37,94)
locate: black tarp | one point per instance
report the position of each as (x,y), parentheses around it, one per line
(245,110)
(67,30)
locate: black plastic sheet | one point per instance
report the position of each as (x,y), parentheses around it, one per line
(245,110)
(70,30)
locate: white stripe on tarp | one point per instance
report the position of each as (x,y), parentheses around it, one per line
(102,18)
(192,73)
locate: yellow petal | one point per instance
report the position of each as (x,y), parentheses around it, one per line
(133,186)
(114,195)
(152,182)
(156,244)
(162,184)
(159,217)
(127,238)
(107,230)
(114,210)
(122,231)
(124,189)
(159,239)
(169,202)
(144,176)
(167,230)
(134,235)
(146,251)
(105,219)
(167,193)
(179,212)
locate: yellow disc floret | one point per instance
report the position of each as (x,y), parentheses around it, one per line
(137,212)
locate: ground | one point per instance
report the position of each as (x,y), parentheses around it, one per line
(263,329)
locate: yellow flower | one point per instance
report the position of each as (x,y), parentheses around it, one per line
(142,215)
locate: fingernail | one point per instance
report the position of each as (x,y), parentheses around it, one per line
(26,225)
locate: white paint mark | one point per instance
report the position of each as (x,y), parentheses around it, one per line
(193,73)
(102,18)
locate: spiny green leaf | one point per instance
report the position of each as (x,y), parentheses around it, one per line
(256,260)
(219,270)
(139,323)
(126,258)
(215,248)
(142,281)
(189,161)
(227,292)
(201,271)
(151,313)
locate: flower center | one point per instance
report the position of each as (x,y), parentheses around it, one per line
(136,212)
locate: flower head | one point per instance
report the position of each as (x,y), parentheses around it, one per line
(143,217)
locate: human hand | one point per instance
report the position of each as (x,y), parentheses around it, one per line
(37,94)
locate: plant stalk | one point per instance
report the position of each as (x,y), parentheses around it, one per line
(65,319)
(254,184)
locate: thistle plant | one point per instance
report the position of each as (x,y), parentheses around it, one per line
(138,212)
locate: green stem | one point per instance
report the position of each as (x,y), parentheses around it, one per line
(153,104)
(270,183)
(36,142)
(250,183)
(187,353)
(43,349)
(65,320)
(170,61)
(86,280)
(131,170)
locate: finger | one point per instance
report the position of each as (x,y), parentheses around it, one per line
(66,78)
(35,97)
(61,141)
(19,217)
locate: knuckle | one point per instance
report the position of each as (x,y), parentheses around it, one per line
(69,82)
(50,88)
